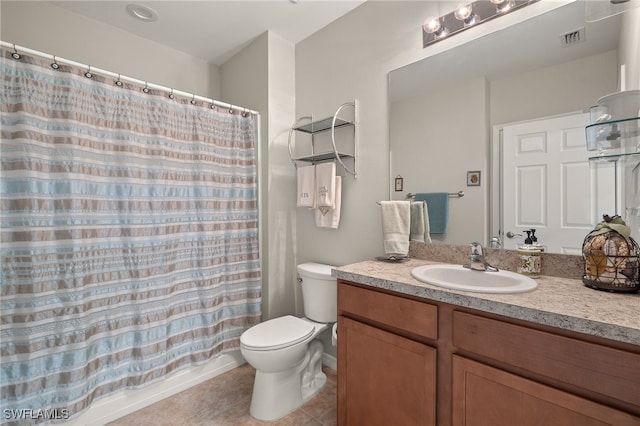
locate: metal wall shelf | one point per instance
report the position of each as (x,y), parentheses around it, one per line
(615,152)
(322,125)
(327,124)
(618,136)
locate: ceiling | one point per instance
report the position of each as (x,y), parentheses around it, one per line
(214,30)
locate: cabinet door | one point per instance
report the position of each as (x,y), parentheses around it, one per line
(487,396)
(383,379)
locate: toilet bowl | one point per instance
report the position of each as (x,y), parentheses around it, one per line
(285,352)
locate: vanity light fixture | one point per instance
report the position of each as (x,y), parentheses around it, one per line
(466,15)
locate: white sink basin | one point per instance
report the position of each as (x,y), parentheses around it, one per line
(456,277)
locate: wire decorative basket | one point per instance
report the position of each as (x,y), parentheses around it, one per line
(611,262)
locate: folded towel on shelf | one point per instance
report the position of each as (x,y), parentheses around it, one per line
(396,218)
(306,186)
(419,229)
(331,219)
(325,186)
(438,210)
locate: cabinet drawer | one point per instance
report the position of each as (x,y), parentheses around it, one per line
(591,366)
(394,311)
(499,398)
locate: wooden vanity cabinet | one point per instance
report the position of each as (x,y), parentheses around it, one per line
(386,370)
(406,361)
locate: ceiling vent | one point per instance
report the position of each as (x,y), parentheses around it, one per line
(573,37)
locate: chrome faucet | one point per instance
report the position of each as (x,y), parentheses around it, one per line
(477,262)
(494,242)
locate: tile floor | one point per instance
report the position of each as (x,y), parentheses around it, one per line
(224,400)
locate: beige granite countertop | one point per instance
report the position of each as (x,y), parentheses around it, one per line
(558,302)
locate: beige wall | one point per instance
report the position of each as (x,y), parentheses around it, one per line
(284,292)
(570,86)
(440,139)
(261,77)
(50,29)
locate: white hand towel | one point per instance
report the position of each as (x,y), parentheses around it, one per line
(332,218)
(420,222)
(396,220)
(325,186)
(306,186)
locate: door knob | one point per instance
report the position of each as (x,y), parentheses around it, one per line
(510,234)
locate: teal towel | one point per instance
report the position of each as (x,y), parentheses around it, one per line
(438,208)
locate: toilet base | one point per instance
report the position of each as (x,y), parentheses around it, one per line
(277,394)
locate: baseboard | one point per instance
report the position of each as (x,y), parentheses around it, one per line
(126,402)
(330,361)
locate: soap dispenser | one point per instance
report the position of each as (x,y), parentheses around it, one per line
(529,260)
(534,240)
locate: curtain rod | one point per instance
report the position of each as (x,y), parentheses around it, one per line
(22,49)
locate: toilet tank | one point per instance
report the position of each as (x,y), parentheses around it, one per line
(319,292)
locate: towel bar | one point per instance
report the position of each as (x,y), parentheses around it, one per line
(458,194)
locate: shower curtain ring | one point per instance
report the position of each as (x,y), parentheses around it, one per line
(55,65)
(146,88)
(15,54)
(118,81)
(193,99)
(244,112)
(171,95)
(88,73)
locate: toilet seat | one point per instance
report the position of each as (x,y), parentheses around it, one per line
(277,333)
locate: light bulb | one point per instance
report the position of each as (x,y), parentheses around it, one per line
(463,11)
(432,25)
(502,6)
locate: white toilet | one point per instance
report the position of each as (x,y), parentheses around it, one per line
(287,359)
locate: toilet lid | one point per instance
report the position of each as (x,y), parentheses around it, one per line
(276,333)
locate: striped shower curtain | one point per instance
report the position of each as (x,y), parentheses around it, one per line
(129,237)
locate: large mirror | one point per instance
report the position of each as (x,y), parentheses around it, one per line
(450,112)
